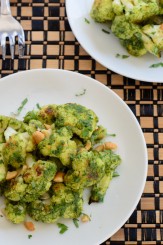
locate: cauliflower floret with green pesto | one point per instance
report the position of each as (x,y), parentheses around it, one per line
(35,125)
(46,114)
(102,10)
(111,161)
(62,194)
(32,182)
(15,189)
(82,121)
(87,169)
(3,167)
(43,211)
(59,145)
(15,212)
(15,149)
(38,179)
(138,10)
(99,134)
(132,37)
(118,7)
(69,201)
(155,32)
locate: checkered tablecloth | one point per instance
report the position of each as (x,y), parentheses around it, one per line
(50,43)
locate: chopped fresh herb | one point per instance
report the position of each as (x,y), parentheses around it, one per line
(87,21)
(157,65)
(38,106)
(24,102)
(76,223)
(105,31)
(1,215)
(112,135)
(123,56)
(29,236)
(115,174)
(63,228)
(82,93)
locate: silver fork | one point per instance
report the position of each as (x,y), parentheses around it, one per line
(10,27)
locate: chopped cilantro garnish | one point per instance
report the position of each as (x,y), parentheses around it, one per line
(76,223)
(24,102)
(123,56)
(115,174)
(157,65)
(87,21)
(112,135)
(29,236)
(105,31)
(63,228)
(81,93)
(38,106)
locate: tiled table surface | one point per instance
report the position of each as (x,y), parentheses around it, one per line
(50,43)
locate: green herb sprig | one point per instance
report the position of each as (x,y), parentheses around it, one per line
(122,56)
(156,65)
(76,222)
(23,103)
(63,228)
(86,21)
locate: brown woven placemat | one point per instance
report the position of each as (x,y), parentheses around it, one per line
(50,43)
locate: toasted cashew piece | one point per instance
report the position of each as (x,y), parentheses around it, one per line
(11,175)
(38,136)
(88,145)
(106,146)
(46,132)
(47,126)
(85,218)
(59,177)
(110,146)
(29,225)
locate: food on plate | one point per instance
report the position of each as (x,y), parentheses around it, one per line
(47,161)
(138,24)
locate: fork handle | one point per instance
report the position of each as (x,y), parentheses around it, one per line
(5,7)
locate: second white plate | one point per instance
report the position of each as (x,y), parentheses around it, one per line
(104,47)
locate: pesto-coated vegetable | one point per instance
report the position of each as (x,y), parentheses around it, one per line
(46,179)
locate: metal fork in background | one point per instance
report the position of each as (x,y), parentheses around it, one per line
(10,27)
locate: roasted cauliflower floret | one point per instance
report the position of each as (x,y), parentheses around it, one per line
(15,189)
(138,10)
(46,114)
(15,149)
(111,161)
(155,32)
(118,7)
(98,134)
(131,34)
(3,167)
(102,10)
(59,145)
(87,169)
(82,121)
(70,201)
(38,179)
(43,211)
(15,212)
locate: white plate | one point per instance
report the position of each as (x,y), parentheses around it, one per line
(104,47)
(58,87)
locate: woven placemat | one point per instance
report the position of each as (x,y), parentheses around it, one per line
(50,43)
